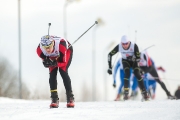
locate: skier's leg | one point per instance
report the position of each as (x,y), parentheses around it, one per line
(67,80)
(140,80)
(154,73)
(126,68)
(121,85)
(121,81)
(152,84)
(53,87)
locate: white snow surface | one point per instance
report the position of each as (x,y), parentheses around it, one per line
(14,109)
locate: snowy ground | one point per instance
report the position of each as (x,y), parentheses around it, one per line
(13,109)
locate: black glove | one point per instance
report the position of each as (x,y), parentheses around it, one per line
(130,58)
(114,85)
(141,72)
(133,58)
(109,71)
(47,62)
(137,60)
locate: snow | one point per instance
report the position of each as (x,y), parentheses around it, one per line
(14,109)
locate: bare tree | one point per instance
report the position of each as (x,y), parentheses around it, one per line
(9,81)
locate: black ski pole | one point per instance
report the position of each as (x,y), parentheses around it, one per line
(83,34)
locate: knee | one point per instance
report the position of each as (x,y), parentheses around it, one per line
(127,72)
(136,71)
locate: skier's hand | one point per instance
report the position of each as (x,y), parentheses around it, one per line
(141,72)
(47,62)
(46,65)
(131,58)
(53,63)
(161,68)
(114,85)
(137,60)
(109,71)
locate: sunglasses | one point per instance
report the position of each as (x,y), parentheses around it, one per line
(124,43)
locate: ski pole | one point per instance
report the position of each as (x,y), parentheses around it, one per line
(83,34)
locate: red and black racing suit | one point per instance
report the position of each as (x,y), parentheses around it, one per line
(63,63)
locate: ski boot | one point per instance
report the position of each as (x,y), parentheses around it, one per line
(153,96)
(70,99)
(134,94)
(170,96)
(126,97)
(55,100)
(145,96)
(118,97)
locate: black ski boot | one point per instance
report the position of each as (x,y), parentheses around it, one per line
(126,97)
(145,96)
(170,96)
(70,99)
(55,100)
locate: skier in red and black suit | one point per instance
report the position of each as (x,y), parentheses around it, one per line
(147,67)
(130,58)
(56,56)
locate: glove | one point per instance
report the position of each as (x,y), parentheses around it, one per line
(141,72)
(47,62)
(161,68)
(109,71)
(46,65)
(114,85)
(138,60)
(133,58)
(54,63)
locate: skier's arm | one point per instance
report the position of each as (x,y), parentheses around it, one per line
(40,53)
(152,61)
(113,52)
(148,60)
(47,62)
(136,52)
(62,50)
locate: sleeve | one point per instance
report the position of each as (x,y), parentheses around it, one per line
(113,52)
(152,61)
(115,71)
(136,51)
(40,53)
(148,59)
(63,53)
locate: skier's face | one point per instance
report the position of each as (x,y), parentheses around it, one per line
(125,45)
(49,48)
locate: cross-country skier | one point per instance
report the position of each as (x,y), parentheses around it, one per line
(130,58)
(119,68)
(56,56)
(145,64)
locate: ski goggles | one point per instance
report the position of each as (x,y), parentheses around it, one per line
(48,46)
(125,43)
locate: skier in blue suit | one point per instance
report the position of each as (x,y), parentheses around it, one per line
(150,84)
